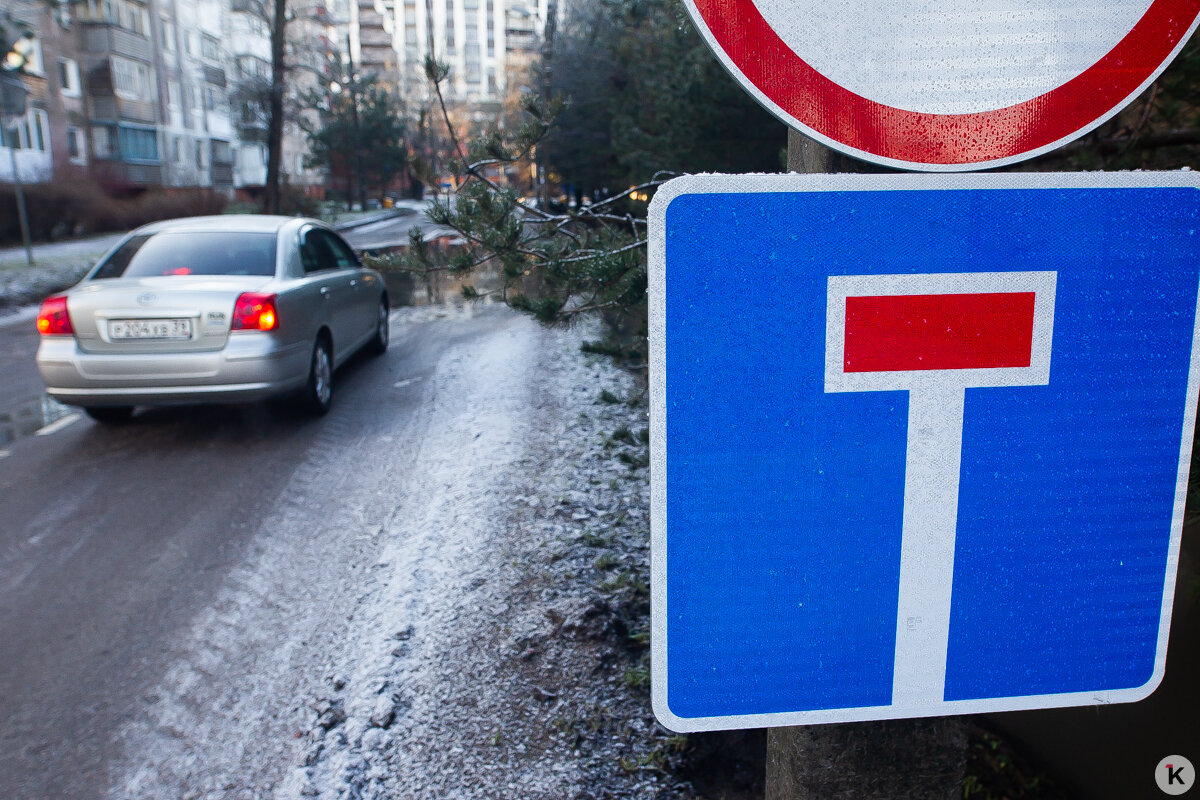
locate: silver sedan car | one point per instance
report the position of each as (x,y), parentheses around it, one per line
(212,309)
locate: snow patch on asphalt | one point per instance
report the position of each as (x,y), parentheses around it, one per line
(440,543)
(444,633)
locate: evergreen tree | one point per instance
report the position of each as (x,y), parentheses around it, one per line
(645,94)
(358,131)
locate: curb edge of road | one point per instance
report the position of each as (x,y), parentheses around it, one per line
(358,223)
(13,316)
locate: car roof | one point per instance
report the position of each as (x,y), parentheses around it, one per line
(226,223)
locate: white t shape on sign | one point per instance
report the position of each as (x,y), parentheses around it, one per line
(934,336)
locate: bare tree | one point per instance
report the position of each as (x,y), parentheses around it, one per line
(278,22)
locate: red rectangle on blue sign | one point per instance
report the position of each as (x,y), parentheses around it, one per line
(938,331)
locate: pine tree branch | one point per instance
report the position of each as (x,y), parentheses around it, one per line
(602,253)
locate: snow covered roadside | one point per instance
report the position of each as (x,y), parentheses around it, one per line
(57,266)
(25,286)
(488,663)
(489,639)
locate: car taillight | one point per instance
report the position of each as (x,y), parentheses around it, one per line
(254,312)
(53,319)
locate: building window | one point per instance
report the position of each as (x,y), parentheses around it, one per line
(168,36)
(214,98)
(138,144)
(125,13)
(32,132)
(131,80)
(210,49)
(252,67)
(173,97)
(75,147)
(200,155)
(221,152)
(133,17)
(68,77)
(102,141)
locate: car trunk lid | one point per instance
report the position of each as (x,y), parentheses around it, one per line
(157,314)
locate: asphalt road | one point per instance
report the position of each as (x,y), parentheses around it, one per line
(385,233)
(24,407)
(112,538)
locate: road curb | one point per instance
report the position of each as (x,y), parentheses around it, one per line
(358,223)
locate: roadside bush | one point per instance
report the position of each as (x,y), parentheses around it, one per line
(64,207)
(294,202)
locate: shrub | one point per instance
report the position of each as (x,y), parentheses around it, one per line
(70,206)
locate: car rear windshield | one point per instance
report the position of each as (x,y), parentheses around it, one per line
(192,253)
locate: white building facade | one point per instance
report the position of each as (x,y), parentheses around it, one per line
(479,39)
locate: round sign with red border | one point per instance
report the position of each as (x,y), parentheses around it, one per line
(943,85)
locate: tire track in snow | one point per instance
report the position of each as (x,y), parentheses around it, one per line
(232,714)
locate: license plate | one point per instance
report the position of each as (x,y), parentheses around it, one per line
(149,329)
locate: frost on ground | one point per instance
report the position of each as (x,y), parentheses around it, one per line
(489,637)
(20,287)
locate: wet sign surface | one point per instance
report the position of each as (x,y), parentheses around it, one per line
(945,85)
(919,445)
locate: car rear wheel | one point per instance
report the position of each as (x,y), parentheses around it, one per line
(318,392)
(109,415)
(379,342)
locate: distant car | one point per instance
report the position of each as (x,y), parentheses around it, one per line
(212,309)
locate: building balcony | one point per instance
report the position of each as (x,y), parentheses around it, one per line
(125,174)
(102,38)
(368,37)
(377,55)
(112,108)
(214,75)
(252,130)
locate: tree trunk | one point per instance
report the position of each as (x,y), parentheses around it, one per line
(275,110)
(889,760)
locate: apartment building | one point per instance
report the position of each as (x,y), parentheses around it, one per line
(487,44)
(54,128)
(142,93)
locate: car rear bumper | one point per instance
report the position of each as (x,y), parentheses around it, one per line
(251,366)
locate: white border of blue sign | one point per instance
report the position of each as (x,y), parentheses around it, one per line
(721,184)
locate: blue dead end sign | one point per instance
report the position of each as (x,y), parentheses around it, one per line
(919,444)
